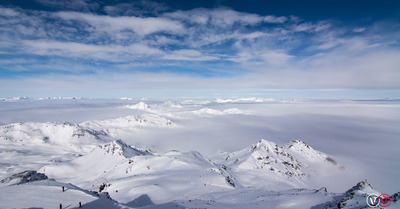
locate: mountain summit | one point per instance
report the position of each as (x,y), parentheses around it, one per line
(287,166)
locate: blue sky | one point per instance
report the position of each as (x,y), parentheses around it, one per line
(322,49)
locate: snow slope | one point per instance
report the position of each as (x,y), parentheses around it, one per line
(48,194)
(127,173)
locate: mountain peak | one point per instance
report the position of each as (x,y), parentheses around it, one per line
(119,147)
(291,164)
(295,144)
(264,144)
(352,198)
(139,106)
(361,186)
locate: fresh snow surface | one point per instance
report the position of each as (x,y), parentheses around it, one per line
(128,160)
(49,194)
(127,177)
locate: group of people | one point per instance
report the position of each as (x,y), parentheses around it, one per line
(63,189)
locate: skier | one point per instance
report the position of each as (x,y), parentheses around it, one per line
(63,188)
(60,206)
(80,204)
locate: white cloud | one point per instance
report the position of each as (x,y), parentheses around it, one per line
(274,19)
(220,17)
(262,60)
(188,55)
(311,27)
(230,17)
(359,30)
(328,45)
(276,57)
(141,26)
(8,12)
(88,51)
(328,41)
(375,69)
(252,35)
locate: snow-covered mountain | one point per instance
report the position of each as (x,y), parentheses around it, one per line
(139,106)
(129,122)
(67,135)
(356,196)
(292,165)
(29,146)
(100,170)
(127,173)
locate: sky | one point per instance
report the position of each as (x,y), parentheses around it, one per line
(210,48)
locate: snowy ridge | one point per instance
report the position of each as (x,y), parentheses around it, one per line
(288,166)
(120,148)
(131,121)
(138,106)
(300,150)
(355,197)
(24,177)
(49,193)
(13,99)
(30,146)
(65,134)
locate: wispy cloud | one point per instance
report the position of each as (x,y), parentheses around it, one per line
(188,55)
(8,12)
(217,17)
(141,26)
(116,53)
